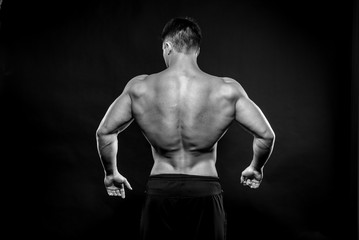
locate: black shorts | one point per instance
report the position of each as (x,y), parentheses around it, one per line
(185,207)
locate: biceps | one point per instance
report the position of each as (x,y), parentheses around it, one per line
(118,116)
(249,115)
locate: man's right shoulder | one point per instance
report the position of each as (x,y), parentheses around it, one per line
(233,87)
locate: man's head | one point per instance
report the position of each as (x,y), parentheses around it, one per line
(182,35)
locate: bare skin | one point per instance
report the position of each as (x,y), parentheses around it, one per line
(183,112)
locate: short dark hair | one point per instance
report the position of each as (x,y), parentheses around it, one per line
(184,33)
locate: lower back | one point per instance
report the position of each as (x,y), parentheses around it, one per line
(185,163)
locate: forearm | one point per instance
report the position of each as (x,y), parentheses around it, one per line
(107,149)
(262,149)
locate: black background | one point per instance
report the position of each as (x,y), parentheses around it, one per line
(64,62)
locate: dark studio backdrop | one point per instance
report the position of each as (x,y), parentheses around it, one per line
(64,62)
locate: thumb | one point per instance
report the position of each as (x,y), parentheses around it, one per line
(127,184)
(242,178)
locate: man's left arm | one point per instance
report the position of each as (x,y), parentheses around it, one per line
(117,118)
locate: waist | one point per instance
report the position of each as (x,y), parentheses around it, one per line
(183,185)
(187,167)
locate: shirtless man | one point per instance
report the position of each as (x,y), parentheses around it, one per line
(183,112)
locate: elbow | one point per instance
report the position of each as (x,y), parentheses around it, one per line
(104,138)
(270,137)
(103,132)
(100,131)
(270,134)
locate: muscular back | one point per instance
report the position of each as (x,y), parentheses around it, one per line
(183,115)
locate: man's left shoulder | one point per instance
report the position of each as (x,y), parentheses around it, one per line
(138,78)
(137,85)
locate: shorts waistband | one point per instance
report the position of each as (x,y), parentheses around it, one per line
(182,177)
(183,185)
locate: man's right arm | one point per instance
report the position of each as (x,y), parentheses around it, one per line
(250,116)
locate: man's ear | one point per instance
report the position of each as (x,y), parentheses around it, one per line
(168,47)
(198,51)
